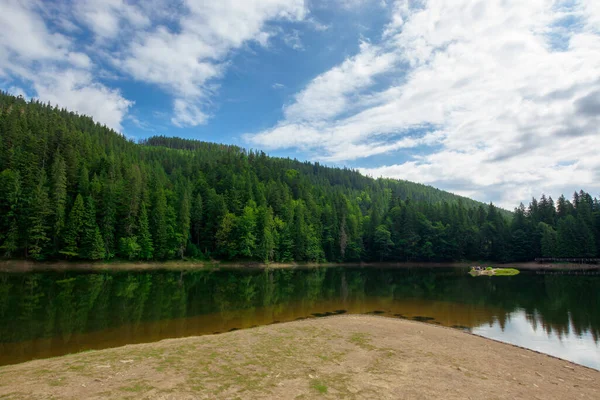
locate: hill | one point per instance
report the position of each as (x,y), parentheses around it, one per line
(71,188)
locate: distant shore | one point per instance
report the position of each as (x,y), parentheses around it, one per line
(336,357)
(33,266)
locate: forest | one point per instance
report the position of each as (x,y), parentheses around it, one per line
(73,189)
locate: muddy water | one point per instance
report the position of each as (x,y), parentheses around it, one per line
(51,314)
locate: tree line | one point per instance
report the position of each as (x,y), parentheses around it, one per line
(74,189)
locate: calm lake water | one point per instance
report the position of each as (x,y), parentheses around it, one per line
(55,313)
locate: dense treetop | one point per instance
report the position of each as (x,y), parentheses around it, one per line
(73,189)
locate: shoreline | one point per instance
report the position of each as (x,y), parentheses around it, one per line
(339,356)
(35,266)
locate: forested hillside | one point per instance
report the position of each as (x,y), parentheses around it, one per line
(74,189)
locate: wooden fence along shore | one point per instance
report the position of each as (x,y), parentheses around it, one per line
(569,260)
(563,272)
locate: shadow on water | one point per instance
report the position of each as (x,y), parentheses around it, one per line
(421,318)
(54,313)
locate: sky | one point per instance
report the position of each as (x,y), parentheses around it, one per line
(498,100)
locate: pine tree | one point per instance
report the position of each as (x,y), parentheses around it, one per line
(383,242)
(246,226)
(38,219)
(145,238)
(563,206)
(59,198)
(14,202)
(92,244)
(160,229)
(268,234)
(225,236)
(549,240)
(83,186)
(74,229)
(196,218)
(183,233)
(96,246)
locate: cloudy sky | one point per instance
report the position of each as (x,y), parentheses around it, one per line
(498,100)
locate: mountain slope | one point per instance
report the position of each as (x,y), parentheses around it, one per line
(71,188)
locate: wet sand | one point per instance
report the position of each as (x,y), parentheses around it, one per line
(335,357)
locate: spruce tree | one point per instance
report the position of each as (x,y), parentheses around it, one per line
(58,198)
(160,229)
(196,218)
(96,246)
(38,219)
(92,246)
(144,236)
(14,199)
(183,233)
(74,229)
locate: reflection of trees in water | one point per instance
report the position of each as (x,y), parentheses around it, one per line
(61,304)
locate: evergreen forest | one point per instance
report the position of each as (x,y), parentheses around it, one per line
(73,189)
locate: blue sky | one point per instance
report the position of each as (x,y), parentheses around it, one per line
(496,100)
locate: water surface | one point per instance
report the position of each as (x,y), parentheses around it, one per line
(55,313)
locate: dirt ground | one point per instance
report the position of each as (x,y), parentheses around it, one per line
(353,357)
(32,266)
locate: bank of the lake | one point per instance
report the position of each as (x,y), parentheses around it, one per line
(33,266)
(346,356)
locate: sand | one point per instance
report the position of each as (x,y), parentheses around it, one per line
(353,357)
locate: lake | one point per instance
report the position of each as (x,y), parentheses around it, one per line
(55,313)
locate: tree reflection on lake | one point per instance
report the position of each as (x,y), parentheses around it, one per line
(55,313)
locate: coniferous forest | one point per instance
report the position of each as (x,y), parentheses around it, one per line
(73,189)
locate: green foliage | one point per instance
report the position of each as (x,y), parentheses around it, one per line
(319,386)
(38,219)
(506,272)
(89,193)
(92,242)
(73,234)
(146,250)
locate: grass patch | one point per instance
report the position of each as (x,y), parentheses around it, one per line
(137,388)
(57,382)
(494,272)
(319,386)
(506,272)
(77,367)
(362,340)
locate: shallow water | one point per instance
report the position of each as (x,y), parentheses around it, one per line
(56,313)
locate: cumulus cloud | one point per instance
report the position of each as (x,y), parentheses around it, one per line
(182,47)
(105,18)
(187,60)
(49,62)
(483,84)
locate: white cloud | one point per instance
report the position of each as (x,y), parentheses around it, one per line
(329,94)
(186,61)
(77,91)
(187,114)
(106,17)
(293,40)
(507,111)
(183,47)
(49,62)
(17,91)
